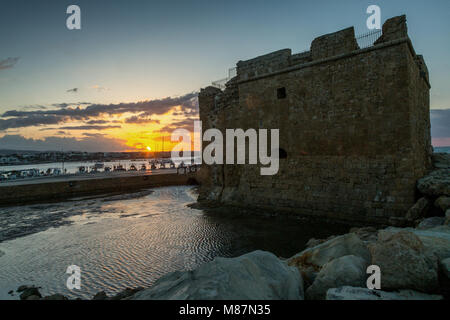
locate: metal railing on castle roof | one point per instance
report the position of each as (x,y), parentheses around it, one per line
(368,39)
(364,40)
(232,72)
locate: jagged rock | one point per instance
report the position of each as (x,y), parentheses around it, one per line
(441,160)
(442,203)
(311,260)
(343,271)
(366,234)
(23,288)
(100,296)
(445,267)
(33,297)
(315,242)
(447,217)
(257,275)
(436,184)
(27,292)
(432,222)
(444,277)
(418,210)
(56,296)
(404,262)
(128,292)
(398,221)
(435,240)
(318,256)
(353,293)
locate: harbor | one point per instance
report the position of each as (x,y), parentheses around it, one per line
(64,186)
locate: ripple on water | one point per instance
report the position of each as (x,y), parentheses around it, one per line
(131,241)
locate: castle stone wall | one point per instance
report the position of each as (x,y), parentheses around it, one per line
(354,124)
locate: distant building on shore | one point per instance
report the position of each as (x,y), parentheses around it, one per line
(354,123)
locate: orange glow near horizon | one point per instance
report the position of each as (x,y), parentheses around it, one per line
(144,135)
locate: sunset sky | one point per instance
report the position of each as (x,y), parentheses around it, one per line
(131,74)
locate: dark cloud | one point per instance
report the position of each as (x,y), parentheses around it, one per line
(440,123)
(90,144)
(34,107)
(74,90)
(8,63)
(97,122)
(88,134)
(65,105)
(140,120)
(89,127)
(29,121)
(187,124)
(145,109)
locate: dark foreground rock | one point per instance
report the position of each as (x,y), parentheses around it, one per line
(436,184)
(356,293)
(419,209)
(128,292)
(441,160)
(29,293)
(55,297)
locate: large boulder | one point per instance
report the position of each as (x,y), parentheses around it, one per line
(318,256)
(435,184)
(435,240)
(257,275)
(366,234)
(445,268)
(441,160)
(431,222)
(313,242)
(344,271)
(311,260)
(442,203)
(447,217)
(404,262)
(418,210)
(354,293)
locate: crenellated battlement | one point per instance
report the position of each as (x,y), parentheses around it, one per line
(333,45)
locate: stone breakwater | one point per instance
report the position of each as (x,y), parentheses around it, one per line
(59,188)
(414,262)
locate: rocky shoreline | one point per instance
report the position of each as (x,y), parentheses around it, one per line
(414,261)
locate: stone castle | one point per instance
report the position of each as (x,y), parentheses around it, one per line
(354,127)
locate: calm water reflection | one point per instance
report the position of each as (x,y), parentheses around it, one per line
(132,240)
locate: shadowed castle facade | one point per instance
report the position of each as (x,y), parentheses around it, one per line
(354,127)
